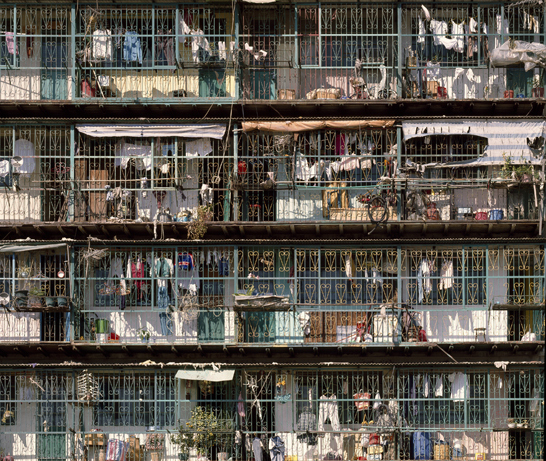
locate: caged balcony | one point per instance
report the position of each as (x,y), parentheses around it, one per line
(259,296)
(190,52)
(272,172)
(460,411)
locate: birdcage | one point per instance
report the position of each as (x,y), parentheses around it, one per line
(87,388)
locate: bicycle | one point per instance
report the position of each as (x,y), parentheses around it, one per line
(377,202)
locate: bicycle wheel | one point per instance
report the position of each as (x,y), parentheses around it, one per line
(377,210)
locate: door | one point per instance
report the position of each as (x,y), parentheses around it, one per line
(97,199)
(263,84)
(54,69)
(212,83)
(51,420)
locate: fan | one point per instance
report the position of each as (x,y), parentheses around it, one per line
(16,163)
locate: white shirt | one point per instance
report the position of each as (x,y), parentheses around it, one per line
(458,386)
(25,150)
(198,148)
(102,44)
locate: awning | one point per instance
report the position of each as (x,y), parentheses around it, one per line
(205,375)
(23,248)
(507,137)
(298,127)
(203,130)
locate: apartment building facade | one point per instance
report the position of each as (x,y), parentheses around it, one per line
(272,231)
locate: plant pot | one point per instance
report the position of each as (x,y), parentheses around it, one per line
(526,177)
(102,326)
(183,456)
(538,92)
(50,301)
(21,294)
(62,301)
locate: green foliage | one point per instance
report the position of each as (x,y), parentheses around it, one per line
(203,431)
(144,334)
(197,228)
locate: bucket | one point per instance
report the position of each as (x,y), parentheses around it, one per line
(496,215)
(442,92)
(481,216)
(102,338)
(287,94)
(102,326)
(50,301)
(62,301)
(509,94)
(21,294)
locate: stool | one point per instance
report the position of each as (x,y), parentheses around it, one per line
(480,334)
(255,212)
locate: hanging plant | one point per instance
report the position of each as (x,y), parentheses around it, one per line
(197,228)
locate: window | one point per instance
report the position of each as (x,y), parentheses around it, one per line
(135,400)
(439,399)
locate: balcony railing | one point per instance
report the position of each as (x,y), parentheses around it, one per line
(464,412)
(246,294)
(195,52)
(319,175)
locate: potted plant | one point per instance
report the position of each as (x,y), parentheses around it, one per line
(524,173)
(144,335)
(203,432)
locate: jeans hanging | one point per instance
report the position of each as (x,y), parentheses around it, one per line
(165,318)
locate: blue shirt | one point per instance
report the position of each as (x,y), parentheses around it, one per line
(132,51)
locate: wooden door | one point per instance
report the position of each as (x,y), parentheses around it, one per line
(97,198)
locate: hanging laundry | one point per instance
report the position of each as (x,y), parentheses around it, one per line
(101,44)
(10,43)
(422,31)
(446,276)
(439,387)
(424,282)
(4,168)
(459,386)
(25,149)
(207,194)
(132,50)
(198,148)
(439,31)
(457,30)
(164,49)
(433,71)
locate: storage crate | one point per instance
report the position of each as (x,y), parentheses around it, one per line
(361,214)
(95,439)
(432,89)
(287,94)
(386,329)
(442,451)
(328,93)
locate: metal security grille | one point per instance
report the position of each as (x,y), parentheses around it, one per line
(461,410)
(193,52)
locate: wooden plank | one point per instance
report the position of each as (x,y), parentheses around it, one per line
(97,199)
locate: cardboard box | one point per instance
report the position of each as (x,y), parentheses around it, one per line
(375,449)
(134,454)
(432,89)
(95,439)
